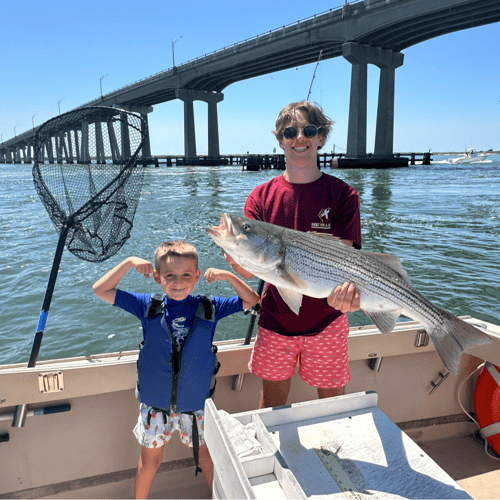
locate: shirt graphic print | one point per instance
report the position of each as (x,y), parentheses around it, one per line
(179,331)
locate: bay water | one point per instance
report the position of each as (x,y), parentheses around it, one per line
(442,220)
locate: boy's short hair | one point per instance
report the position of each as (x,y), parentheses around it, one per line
(314,114)
(175,248)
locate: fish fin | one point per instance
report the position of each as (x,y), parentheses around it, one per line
(385,321)
(292,299)
(454,336)
(291,278)
(391,261)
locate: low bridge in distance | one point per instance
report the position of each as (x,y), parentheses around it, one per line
(364,32)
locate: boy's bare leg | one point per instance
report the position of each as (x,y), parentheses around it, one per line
(330,393)
(206,465)
(274,392)
(149,461)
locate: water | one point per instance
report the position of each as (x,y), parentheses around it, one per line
(441,220)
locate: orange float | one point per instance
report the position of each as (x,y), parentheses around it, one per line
(487,404)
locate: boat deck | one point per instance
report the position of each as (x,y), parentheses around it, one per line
(180,483)
(463,458)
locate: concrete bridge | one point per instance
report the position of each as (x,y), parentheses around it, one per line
(365,32)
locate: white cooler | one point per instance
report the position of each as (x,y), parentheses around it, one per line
(336,448)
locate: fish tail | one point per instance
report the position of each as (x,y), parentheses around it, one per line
(452,336)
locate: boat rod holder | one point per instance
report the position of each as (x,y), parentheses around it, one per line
(22,412)
(19,418)
(442,378)
(375,363)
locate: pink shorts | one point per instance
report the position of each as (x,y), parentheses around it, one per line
(324,360)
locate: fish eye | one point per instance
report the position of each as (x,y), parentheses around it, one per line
(246,226)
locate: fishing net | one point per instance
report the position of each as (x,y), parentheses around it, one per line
(88,172)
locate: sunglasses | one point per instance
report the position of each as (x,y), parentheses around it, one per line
(308,131)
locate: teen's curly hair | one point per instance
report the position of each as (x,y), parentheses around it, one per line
(314,114)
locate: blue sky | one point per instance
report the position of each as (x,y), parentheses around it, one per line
(447,91)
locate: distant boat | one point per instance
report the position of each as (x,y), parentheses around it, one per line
(470,156)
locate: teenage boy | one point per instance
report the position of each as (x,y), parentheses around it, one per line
(305,199)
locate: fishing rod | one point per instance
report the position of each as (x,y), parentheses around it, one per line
(314,75)
(238,379)
(254,313)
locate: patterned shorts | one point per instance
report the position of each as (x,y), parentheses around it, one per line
(323,358)
(159,430)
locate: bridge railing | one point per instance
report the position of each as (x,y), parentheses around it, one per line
(197,59)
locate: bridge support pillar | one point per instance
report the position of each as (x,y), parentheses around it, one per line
(213,130)
(356,130)
(360,56)
(189,129)
(384,133)
(29,151)
(212,99)
(146,149)
(8,155)
(143,111)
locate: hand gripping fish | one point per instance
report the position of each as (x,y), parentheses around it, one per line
(299,263)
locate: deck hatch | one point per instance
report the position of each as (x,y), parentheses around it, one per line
(50,382)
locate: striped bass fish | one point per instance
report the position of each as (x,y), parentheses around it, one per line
(299,263)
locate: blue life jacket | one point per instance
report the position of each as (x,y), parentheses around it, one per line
(177,380)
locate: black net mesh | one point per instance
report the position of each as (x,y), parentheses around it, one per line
(88,172)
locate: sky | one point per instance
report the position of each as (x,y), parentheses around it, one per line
(55,54)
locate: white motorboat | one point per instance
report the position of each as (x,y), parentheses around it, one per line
(470,156)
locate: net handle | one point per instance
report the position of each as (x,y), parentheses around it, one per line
(20,413)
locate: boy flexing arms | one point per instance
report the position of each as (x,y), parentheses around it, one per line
(176,362)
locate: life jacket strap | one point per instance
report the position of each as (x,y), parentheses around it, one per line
(205,308)
(195,434)
(156,306)
(196,446)
(157,410)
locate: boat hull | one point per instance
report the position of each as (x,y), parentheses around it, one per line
(91,452)
(470,157)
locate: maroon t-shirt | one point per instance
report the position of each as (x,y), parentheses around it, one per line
(327,205)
